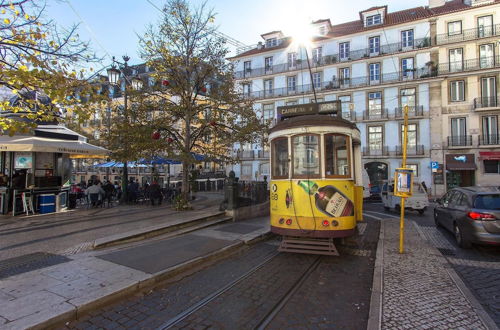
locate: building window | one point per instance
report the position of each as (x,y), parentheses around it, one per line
(322,30)
(407,97)
(485,26)
(488,92)
(317,79)
(345,76)
(375,137)
(375,103)
(292,60)
(458,131)
(268,63)
(337,155)
(268,112)
(279,149)
(318,100)
(412,135)
(454,28)
(414,168)
(491,166)
(457,91)
(344,50)
(374,72)
(271,42)
(407,67)
(456,59)
(247,66)
(487,56)
(305,155)
(246,170)
(373,20)
(317,54)
(374,45)
(407,39)
(291,83)
(291,102)
(345,104)
(247,89)
(490,130)
(268,87)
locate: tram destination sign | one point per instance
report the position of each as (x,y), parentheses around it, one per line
(309,109)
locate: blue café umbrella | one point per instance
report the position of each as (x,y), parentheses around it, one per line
(157,160)
(107,164)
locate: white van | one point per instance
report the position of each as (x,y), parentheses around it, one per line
(417,202)
(366,184)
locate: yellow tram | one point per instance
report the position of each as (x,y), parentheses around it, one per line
(316,188)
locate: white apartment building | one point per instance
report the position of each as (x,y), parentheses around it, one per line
(465,104)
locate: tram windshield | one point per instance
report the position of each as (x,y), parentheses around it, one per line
(306,155)
(337,162)
(280,158)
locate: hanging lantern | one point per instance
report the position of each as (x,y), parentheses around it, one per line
(156,135)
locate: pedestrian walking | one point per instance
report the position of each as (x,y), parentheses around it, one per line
(109,190)
(154,192)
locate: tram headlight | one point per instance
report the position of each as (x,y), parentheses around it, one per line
(335,223)
(289,222)
(281,221)
(325,223)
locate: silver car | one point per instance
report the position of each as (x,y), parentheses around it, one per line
(472,214)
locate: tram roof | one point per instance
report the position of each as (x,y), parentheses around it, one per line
(312,120)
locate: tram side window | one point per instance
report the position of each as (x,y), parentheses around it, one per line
(337,162)
(280,158)
(306,156)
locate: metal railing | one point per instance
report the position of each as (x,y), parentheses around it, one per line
(339,84)
(376,114)
(411,150)
(414,111)
(371,151)
(469,65)
(352,55)
(469,34)
(245,154)
(486,102)
(460,141)
(489,139)
(263,154)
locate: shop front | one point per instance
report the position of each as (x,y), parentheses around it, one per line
(35,170)
(460,170)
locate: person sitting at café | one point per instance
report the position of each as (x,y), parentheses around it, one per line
(93,190)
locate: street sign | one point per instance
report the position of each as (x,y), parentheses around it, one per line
(403,179)
(434,165)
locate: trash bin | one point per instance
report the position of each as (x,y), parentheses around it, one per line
(47,203)
(72,201)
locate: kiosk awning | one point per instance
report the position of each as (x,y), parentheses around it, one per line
(460,162)
(76,149)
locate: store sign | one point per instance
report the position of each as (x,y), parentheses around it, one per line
(287,111)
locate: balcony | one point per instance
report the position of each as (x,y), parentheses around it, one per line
(486,103)
(376,151)
(353,55)
(469,34)
(489,140)
(460,141)
(469,65)
(379,114)
(415,111)
(263,154)
(245,154)
(415,150)
(340,84)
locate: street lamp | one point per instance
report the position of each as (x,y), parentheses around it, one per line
(117,70)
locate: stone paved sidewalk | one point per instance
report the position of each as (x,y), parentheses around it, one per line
(418,289)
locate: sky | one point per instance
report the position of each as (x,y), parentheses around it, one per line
(112,26)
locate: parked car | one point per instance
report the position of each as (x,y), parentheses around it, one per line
(417,202)
(472,214)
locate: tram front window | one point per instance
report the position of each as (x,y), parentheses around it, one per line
(280,158)
(306,156)
(337,162)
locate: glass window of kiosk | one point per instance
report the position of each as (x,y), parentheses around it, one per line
(306,156)
(337,156)
(279,149)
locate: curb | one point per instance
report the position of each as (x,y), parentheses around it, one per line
(147,283)
(152,231)
(376,303)
(468,295)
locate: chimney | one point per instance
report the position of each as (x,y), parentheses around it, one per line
(436,3)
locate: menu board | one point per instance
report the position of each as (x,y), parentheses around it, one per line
(23,160)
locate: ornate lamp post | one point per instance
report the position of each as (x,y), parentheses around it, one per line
(115,72)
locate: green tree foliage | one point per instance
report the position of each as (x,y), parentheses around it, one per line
(36,55)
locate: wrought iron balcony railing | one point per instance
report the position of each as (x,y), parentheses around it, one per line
(489,139)
(411,150)
(339,84)
(245,154)
(460,141)
(263,154)
(469,34)
(352,55)
(469,65)
(376,114)
(376,151)
(486,102)
(414,111)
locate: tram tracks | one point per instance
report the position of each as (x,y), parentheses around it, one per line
(270,315)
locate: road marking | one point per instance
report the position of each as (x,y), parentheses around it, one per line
(372,216)
(384,214)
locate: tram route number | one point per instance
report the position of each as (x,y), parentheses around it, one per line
(274,196)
